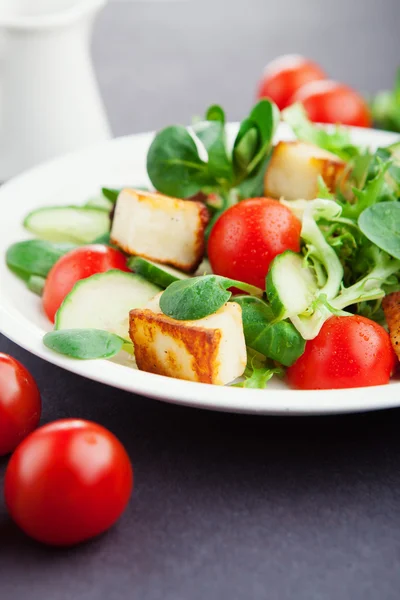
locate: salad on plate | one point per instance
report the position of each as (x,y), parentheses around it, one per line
(247,260)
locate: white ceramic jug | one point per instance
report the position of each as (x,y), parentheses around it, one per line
(49,102)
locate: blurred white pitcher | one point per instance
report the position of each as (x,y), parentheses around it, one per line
(50,103)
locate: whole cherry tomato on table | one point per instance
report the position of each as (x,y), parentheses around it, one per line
(247,237)
(67,482)
(348,352)
(332,102)
(285,75)
(20,404)
(75,265)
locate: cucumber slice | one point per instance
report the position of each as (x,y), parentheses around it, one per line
(103,301)
(68,223)
(291,286)
(100,202)
(154,272)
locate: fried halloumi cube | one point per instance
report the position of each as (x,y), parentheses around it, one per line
(167,230)
(294,169)
(209,350)
(391,308)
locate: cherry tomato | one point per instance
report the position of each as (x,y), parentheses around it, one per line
(20,404)
(67,482)
(348,352)
(247,236)
(75,265)
(331,102)
(285,75)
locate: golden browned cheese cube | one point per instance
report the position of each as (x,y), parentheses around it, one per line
(209,350)
(294,168)
(166,230)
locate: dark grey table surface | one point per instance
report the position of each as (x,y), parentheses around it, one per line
(226,506)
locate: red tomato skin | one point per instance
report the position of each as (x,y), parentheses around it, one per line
(348,352)
(20,403)
(247,237)
(67,482)
(283,76)
(77,264)
(332,102)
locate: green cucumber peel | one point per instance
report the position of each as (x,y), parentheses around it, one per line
(75,224)
(103,301)
(156,273)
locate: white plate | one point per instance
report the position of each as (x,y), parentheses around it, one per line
(73,179)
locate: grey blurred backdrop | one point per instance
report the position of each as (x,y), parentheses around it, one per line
(163,61)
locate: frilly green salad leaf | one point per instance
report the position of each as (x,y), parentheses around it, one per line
(375,235)
(336,141)
(258,371)
(375,180)
(323,192)
(257,377)
(318,250)
(369,195)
